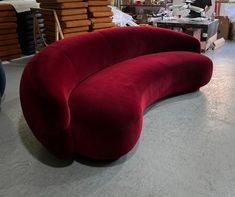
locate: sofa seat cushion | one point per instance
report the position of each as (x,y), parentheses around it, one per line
(107,108)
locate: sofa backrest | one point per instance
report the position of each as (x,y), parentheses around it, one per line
(60,67)
(92,52)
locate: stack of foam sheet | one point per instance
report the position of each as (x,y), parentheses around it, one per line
(72,15)
(100,14)
(9,44)
(25,32)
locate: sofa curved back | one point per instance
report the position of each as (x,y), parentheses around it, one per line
(90,53)
(52,74)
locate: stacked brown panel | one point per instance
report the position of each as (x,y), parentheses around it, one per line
(9,44)
(100,14)
(72,15)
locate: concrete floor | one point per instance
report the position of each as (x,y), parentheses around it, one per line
(187,147)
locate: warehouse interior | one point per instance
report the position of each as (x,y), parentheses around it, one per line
(186,143)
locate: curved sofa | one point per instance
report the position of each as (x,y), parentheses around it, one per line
(86,95)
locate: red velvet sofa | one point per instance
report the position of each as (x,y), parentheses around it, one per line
(86,95)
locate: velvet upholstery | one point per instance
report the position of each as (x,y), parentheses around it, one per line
(2,81)
(86,94)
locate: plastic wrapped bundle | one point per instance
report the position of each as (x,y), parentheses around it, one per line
(9,44)
(25,31)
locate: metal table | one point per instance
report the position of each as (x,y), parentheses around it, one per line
(208,28)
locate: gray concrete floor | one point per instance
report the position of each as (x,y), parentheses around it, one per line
(187,147)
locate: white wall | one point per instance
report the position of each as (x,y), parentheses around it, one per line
(223,5)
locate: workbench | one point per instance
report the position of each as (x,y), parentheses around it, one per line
(207,28)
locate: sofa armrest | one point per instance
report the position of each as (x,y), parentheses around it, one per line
(169,40)
(44,94)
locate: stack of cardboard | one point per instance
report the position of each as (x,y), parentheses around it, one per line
(25,32)
(9,45)
(100,14)
(72,16)
(223,29)
(226,28)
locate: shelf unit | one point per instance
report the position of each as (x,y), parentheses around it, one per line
(141,12)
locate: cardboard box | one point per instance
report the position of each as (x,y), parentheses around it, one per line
(232,31)
(223,30)
(141,19)
(197,33)
(210,41)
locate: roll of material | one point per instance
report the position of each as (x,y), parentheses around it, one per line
(218,43)
(25,31)
(27,16)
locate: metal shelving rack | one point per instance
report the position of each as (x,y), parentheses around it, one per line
(146,9)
